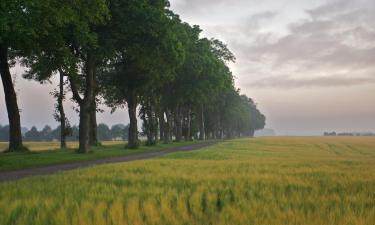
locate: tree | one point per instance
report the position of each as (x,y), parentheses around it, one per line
(33,134)
(15,31)
(119,131)
(146,51)
(104,133)
(45,134)
(71,47)
(4,133)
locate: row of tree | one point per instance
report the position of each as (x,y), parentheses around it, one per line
(104,133)
(124,53)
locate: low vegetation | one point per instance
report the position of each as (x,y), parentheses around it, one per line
(327,180)
(42,154)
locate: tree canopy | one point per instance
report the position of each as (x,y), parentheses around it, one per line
(126,53)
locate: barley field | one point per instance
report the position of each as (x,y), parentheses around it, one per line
(281,180)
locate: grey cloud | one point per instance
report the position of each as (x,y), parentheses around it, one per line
(289,82)
(256,20)
(337,38)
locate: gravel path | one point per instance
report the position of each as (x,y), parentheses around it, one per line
(42,171)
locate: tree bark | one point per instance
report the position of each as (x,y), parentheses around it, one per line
(93,123)
(161,125)
(85,106)
(168,128)
(188,126)
(178,121)
(202,135)
(15,135)
(60,106)
(93,127)
(132,109)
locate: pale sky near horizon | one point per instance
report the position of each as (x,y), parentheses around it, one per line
(310,65)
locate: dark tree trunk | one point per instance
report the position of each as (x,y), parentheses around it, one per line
(133,130)
(60,107)
(168,128)
(178,121)
(150,124)
(161,124)
(84,125)
(201,123)
(93,123)
(15,135)
(93,127)
(85,106)
(155,129)
(188,126)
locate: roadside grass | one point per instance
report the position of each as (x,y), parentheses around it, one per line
(54,145)
(38,157)
(275,181)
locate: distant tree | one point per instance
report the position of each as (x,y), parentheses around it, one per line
(119,131)
(4,133)
(104,133)
(33,135)
(45,134)
(74,135)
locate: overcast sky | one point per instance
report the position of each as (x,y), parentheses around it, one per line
(310,65)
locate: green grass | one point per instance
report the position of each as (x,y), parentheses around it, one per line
(54,145)
(39,156)
(248,181)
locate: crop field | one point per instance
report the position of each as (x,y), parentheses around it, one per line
(281,180)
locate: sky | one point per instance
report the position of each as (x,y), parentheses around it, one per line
(310,65)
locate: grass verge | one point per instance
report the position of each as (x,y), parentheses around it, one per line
(24,160)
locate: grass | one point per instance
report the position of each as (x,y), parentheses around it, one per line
(40,156)
(248,181)
(54,145)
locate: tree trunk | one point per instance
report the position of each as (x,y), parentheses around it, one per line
(93,127)
(168,128)
(150,124)
(201,123)
(156,125)
(178,121)
(133,130)
(85,106)
(15,135)
(93,123)
(188,126)
(62,113)
(161,125)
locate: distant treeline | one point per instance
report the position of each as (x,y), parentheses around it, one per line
(104,132)
(349,134)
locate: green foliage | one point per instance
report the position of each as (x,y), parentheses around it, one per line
(131,52)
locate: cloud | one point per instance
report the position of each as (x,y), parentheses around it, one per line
(329,81)
(337,37)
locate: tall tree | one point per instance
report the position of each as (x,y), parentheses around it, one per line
(71,47)
(17,30)
(146,51)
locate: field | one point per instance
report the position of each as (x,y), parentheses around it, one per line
(326,180)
